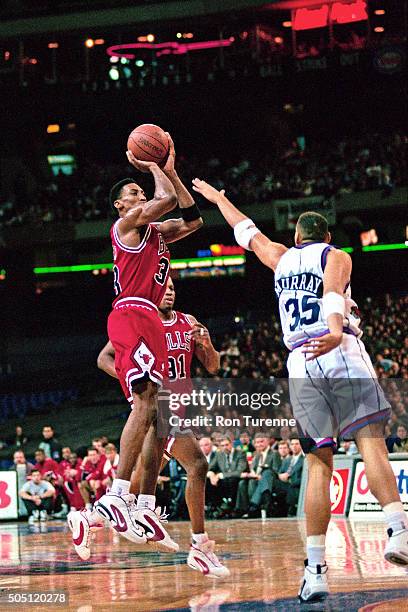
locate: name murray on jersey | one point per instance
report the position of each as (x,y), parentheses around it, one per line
(306,281)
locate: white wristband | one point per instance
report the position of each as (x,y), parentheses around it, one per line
(244,231)
(333,303)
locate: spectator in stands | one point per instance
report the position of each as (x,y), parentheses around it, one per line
(255,486)
(37,495)
(207,447)
(48,468)
(19,440)
(224,474)
(19,461)
(51,447)
(92,476)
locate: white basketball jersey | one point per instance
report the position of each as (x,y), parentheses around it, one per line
(299,287)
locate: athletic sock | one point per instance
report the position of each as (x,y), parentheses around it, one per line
(315,550)
(395,516)
(199,538)
(146,501)
(119,487)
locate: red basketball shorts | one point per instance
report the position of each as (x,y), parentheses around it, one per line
(137,335)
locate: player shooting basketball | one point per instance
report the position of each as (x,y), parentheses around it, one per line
(141,267)
(331,376)
(185,337)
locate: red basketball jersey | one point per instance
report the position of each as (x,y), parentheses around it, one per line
(140,272)
(180,347)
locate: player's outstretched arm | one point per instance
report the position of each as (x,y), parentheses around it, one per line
(204,348)
(246,233)
(164,199)
(335,278)
(191,220)
(106,360)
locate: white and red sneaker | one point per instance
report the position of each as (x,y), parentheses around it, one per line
(121,511)
(82,524)
(203,558)
(152,523)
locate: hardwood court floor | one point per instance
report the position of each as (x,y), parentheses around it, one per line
(265,559)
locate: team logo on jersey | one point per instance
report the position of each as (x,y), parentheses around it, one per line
(143,357)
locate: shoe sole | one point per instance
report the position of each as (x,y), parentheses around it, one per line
(396,559)
(209,575)
(319,596)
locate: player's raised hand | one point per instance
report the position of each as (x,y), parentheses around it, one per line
(208,191)
(200,335)
(315,347)
(143,166)
(171,159)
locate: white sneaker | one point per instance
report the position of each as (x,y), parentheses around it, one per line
(83,524)
(43,515)
(314,586)
(202,558)
(121,512)
(36,516)
(152,523)
(396,550)
(31,519)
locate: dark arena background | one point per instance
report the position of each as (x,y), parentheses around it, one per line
(290,106)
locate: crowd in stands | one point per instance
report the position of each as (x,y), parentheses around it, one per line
(371,162)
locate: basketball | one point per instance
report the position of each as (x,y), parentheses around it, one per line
(148,142)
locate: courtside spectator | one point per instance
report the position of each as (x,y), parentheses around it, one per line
(92,476)
(110,465)
(37,495)
(48,468)
(224,473)
(289,480)
(71,476)
(401,441)
(20,462)
(245,443)
(207,448)
(254,489)
(66,453)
